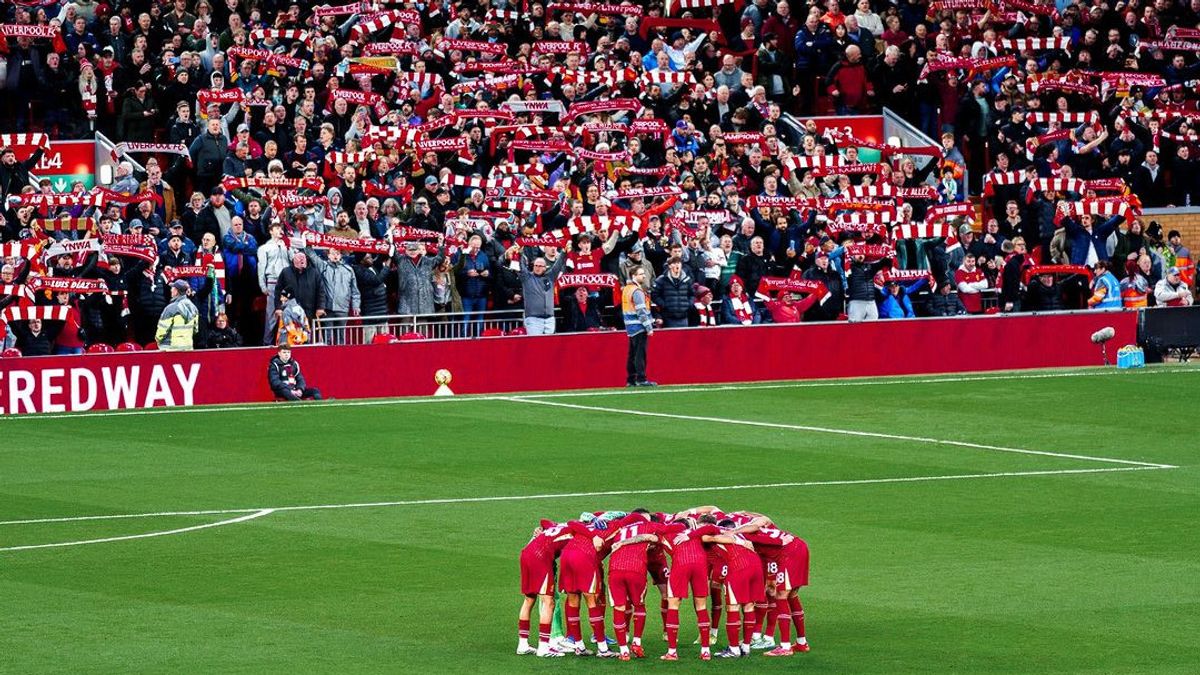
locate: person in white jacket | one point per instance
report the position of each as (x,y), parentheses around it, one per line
(1170,291)
(273,257)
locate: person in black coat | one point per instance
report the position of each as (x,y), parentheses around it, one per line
(221,335)
(147,298)
(14,175)
(1044,295)
(34,338)
(286,380)
(582,312)
(753,266)
(673,295)
(305,286)
(372,277)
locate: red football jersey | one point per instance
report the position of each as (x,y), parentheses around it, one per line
(546,544)
(737,557)
(690,551)
(770,542)
(634,557)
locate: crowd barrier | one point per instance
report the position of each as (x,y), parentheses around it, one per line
(573,361)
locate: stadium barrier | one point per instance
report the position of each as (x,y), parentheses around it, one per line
(56,384)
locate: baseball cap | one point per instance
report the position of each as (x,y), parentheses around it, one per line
(243,127)
(180,285)
(1173,270)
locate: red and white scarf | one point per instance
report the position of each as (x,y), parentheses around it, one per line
(707,317)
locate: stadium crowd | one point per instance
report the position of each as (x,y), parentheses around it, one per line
(355,161)
(741,561)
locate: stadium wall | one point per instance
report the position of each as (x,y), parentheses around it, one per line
(1186,220)
(574,361)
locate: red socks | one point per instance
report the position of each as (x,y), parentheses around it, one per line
(523,629)
(749,623)
(544,633)
(733,626)
(702,621)
(769,622)
(784,612)
(620,627)
(797,615)
(596,617)
(573,631)
(639,620)
(662,608)
(672,629)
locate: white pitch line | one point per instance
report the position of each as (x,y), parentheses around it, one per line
(842,432)
(146,535)
(571,495)
(684,389)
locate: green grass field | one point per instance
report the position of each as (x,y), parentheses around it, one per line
(990,560)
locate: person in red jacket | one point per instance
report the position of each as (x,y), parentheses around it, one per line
(850,85)
(789,308)
(70,340)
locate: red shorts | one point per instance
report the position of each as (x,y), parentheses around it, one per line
(537,576)
(684,577)
(745,586)
(626,589)
(578,573)
(793,567)
(657,567)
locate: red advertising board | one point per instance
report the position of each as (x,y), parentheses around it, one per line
(498,365)
(64,163)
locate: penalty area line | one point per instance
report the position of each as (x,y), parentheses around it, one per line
(841,432)
(145,535)
(258,512)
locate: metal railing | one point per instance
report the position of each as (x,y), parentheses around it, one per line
(439,326)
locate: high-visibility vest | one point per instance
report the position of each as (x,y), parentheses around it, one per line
(1187,270)
(1132,298)
(633,324)
(1112,291)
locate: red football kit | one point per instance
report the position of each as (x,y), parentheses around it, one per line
(628,565)
(785,556)
(537,558)
(744,581)
(689,560)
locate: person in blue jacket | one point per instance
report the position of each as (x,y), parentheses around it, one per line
(896,303)
(1090,243)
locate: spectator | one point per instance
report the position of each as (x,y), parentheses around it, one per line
(704,313)
(582,314)
(945,302)
(473,268)
(414,272)
(180,321)
(32,338)
(1171,291)
(673,295)
(861,289)
(849,84)
(1089,245)
(1183,258)
(1106,290)
(790,307)
(342,299)
(895,303)
(1043,296)
(221,335)
(286,380)
(537,290)
(971,283)
(304,286)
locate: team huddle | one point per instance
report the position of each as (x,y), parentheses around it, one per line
(740,560)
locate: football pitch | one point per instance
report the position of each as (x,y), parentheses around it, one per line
(1025,523)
